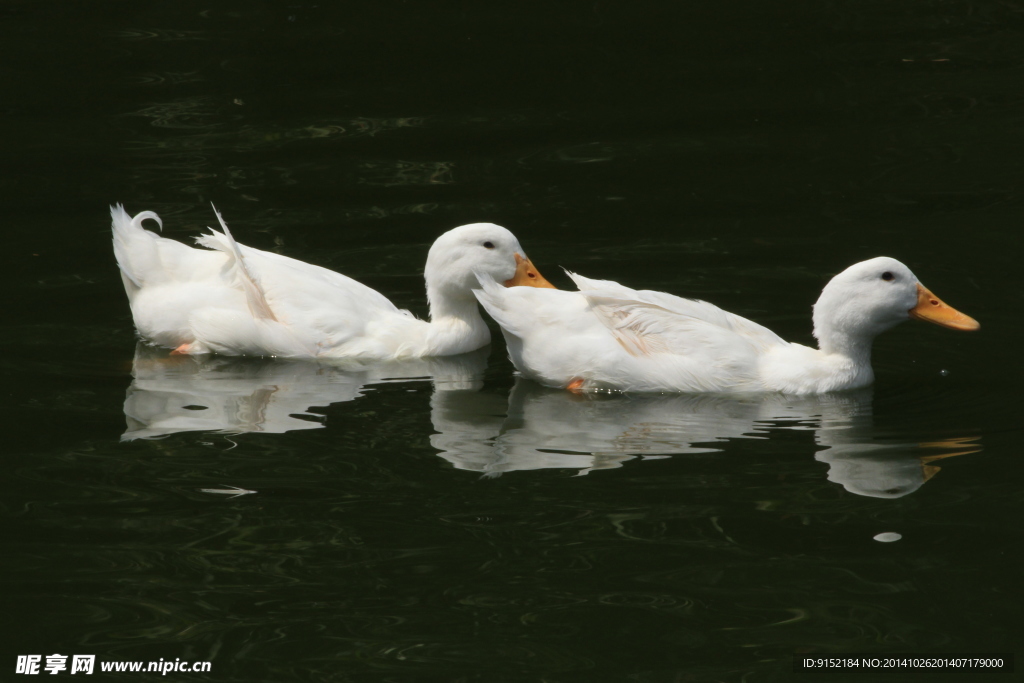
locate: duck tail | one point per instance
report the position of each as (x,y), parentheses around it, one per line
(135,248)
(496,301)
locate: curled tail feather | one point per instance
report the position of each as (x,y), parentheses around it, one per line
(135,248)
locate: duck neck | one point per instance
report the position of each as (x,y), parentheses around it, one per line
(855,347)
(848,357)
(456,325)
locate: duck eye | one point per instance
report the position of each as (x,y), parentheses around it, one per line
(489,245)
(887,276)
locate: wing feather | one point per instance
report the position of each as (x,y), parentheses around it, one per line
(695,353)
(758,335)
(254,295)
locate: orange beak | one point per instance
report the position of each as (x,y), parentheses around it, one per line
(931,308)
(527,275)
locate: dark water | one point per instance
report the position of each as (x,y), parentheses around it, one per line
(439,529)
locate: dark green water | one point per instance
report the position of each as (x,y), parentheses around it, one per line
(438,530)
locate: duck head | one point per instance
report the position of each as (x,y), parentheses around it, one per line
(457,255)
(873,296)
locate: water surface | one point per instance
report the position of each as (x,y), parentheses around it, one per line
(445,520)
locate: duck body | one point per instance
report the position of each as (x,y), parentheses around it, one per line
(608,336)
(236,300)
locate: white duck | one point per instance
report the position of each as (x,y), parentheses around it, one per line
(236,300)
(607,336)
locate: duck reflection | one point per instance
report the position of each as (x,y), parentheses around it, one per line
(886,470)
(533,427)
(544,428)
(171,394)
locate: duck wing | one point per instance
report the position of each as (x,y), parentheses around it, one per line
(318,307)
(693,310)
(559,337)
(669,350)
